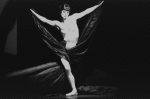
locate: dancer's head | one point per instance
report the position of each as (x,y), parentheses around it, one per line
(65,11)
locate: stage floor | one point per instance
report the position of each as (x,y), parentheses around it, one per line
(80,97)
(96,97)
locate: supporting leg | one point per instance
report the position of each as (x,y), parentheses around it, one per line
(70,77)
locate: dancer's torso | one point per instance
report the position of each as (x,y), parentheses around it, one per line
(70,30)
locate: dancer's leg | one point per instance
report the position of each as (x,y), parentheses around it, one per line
(70,77)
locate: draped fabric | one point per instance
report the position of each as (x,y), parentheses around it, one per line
(83,43)
(51,76)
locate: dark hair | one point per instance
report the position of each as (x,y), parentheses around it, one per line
(64,7)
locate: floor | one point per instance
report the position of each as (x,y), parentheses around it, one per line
(97,97)
(124,93)
(79,97)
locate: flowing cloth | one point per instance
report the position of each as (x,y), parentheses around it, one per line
(83,43)
(51,75)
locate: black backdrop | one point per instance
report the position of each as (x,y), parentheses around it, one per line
(119,51)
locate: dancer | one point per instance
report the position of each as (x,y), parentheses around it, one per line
(70,31)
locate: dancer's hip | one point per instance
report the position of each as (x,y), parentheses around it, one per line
(70,44)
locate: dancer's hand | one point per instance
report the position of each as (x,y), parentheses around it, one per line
(100,3)
(39,16)
(33,11)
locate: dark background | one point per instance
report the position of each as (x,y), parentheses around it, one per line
(118,55)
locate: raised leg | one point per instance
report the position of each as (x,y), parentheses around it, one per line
(70,77)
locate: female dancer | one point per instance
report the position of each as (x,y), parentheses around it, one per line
(70,31)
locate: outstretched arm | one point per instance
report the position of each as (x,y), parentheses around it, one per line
(43,19)
(87,11)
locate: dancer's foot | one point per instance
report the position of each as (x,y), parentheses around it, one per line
(73,93)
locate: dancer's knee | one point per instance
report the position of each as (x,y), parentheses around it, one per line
(68,71)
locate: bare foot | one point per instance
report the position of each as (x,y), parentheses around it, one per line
(73,93)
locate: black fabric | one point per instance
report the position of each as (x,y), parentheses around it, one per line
(84,40)
(50,77)
(63,43)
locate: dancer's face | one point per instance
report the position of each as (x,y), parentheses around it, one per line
(65,14)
